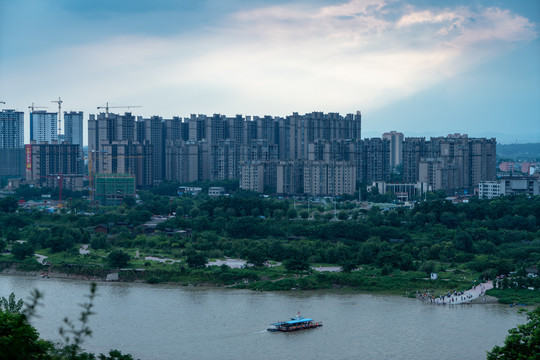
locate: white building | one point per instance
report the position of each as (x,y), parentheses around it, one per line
(216,191)
(489,189)
(509,185)
(43,126)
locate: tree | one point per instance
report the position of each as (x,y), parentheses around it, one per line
(343,215)
(197,260)
(99,241)
(296,264)
(522,343)
(118,258)
(115,355)
(22,250)
(11,305)
(137,217)
(8,204)
(428,267)
(256,255)
(348,265)
(19,339)
(278,214)
(291,213)
(129,201)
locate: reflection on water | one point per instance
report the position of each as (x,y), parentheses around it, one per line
(169,322)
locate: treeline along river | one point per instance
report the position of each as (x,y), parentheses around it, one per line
(172,322)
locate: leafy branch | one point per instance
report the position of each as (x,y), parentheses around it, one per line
(74,336)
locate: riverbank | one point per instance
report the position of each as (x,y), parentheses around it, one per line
(334,282)
(257,279)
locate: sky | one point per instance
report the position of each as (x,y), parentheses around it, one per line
(421,67)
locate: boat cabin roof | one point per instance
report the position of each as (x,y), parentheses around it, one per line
(296,320)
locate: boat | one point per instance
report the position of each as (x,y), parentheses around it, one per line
(296,323)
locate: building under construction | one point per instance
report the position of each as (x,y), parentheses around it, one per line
(49,164)
(111,189)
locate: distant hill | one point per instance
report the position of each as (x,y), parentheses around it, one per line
(519,152)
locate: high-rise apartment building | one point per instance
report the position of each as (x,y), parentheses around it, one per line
(462,162)
(43,126)
(414,148)
(224,160)
(11,144)
(289,177)
(322,178)
(396,147)
(73,127)
(455,162)
(11,129)
(374,160)
(316,153)
(105,129)
(252,176)
(151,133)
(73,131)
(127,157)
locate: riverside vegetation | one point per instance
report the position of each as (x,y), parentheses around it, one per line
(382,248)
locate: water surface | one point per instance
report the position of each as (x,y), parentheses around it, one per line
(173,322)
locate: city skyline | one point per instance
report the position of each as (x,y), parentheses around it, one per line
(409,66)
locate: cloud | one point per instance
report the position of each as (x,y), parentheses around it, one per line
(285,58)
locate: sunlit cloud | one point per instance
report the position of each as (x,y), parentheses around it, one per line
(284,58)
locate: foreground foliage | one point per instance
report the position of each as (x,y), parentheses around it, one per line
(523,342)
(19,340)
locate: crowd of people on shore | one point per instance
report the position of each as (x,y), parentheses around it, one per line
(452,297)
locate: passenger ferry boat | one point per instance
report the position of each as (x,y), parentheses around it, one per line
(296,323)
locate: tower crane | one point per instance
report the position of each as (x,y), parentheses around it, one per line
(60,179)
(59,102)
(107,107)
(32,107)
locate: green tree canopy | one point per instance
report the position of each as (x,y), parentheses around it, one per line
(118,258)
(8,204)
(196,260)
(19,339)
(22,250)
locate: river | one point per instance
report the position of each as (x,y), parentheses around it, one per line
(165,322)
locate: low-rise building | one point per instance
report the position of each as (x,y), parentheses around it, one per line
(404,192)
(489,189)
(191,190)
(216,191)
(509,185)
